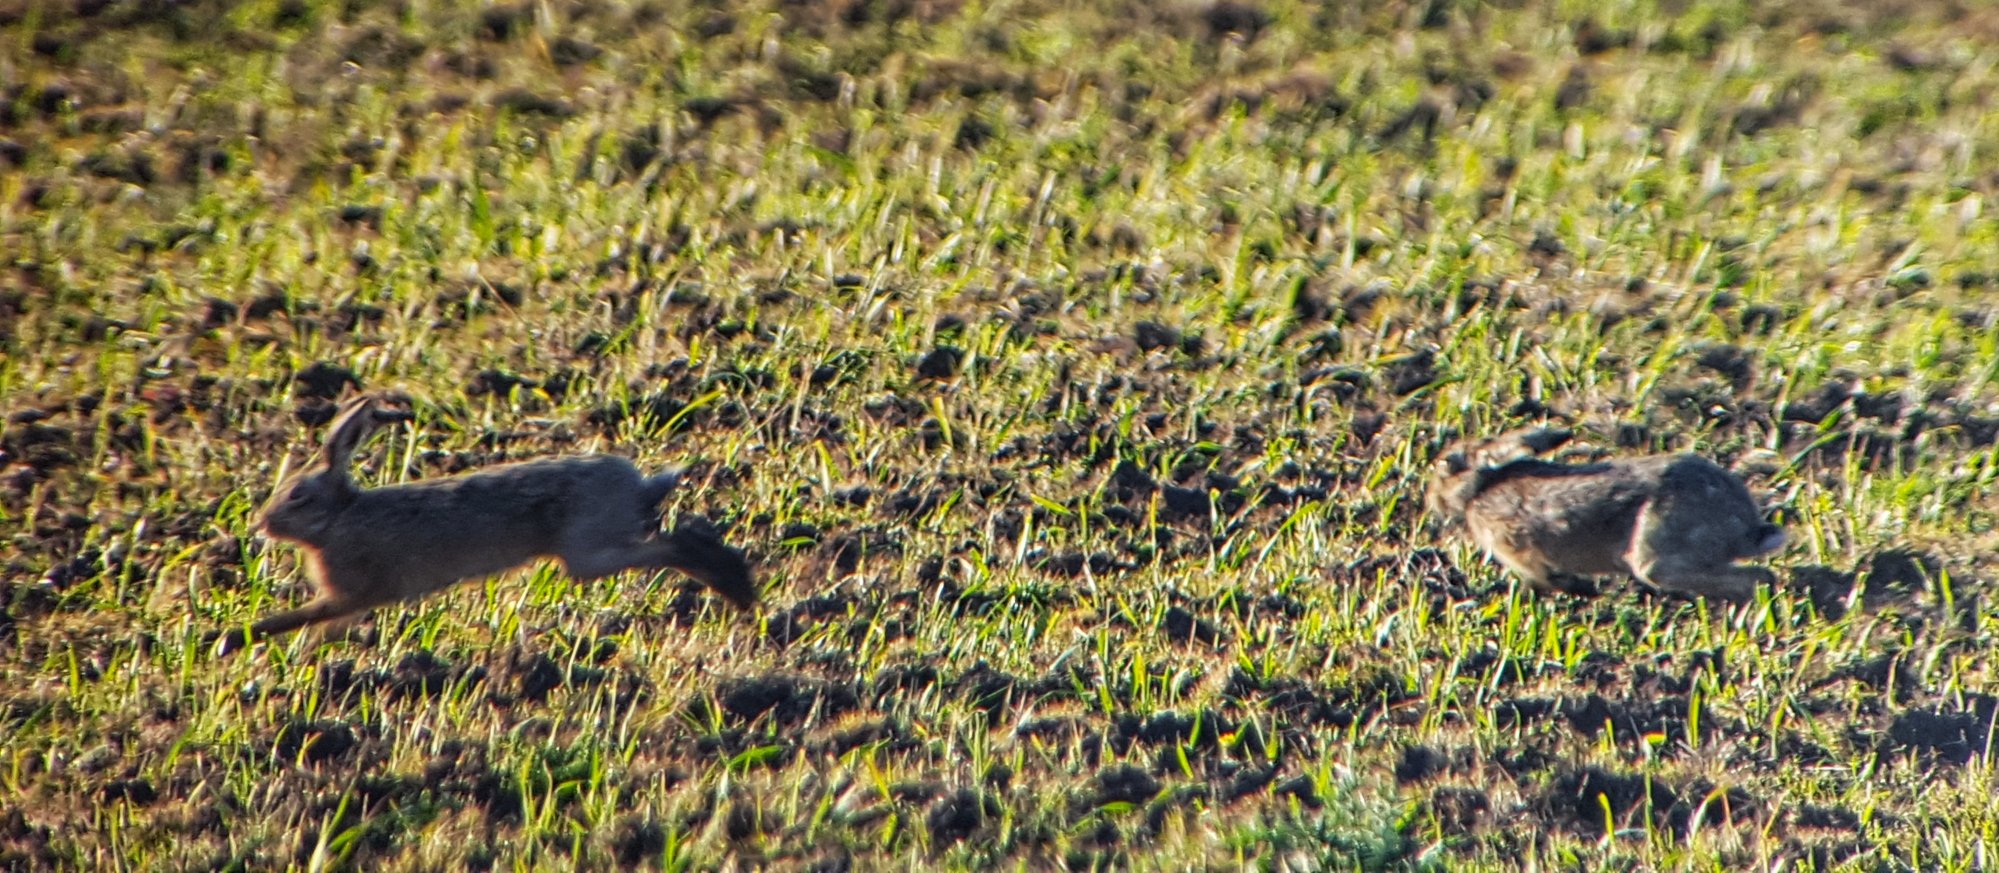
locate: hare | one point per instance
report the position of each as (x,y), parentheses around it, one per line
(368,547)
(1676,522)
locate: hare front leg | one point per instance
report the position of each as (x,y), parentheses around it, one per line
(322,609)
(1691,545)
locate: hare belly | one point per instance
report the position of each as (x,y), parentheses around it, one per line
(411,566)
(1541,551)
(1506,550)
(1583,555)
(430,538)
(478,560)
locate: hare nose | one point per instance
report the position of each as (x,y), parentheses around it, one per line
(261,540)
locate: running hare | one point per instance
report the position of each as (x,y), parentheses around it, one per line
(368,547)
(1676,522)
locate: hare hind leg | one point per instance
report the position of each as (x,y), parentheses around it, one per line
(1724,581)
(1682,549)
(706,559)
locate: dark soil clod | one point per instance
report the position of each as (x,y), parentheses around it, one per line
(1182,625)
(960,814)
(786,698)
(313,742)
(940,363)
(324,381)
(1124,783)
(1951,736)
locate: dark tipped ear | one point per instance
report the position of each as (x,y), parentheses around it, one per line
(1450,463)
(1546,439)
(1520,445)
(357,420)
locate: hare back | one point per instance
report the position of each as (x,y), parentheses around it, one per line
(1577,487)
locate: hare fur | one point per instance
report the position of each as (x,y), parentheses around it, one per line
(1675,522)
(368,547)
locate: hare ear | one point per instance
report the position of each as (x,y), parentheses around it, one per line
(352,427)
(1521,445)
(1542,440)
(1451,463)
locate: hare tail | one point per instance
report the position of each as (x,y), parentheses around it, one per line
(1768,538)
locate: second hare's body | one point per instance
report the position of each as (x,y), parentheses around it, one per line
(370,547)
(1677,522)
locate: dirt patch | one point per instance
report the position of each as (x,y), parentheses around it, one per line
(960,814)
(787,699)
(1460,810)
(1949,735)
(1593,800)
(314,742)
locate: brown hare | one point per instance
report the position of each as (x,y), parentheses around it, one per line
(368,547)
(1675,522)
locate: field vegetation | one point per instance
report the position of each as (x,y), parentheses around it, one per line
(1071,372)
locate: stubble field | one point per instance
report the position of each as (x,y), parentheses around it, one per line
(1071,374)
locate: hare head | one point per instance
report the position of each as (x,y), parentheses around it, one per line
(1461,473)
(302,507)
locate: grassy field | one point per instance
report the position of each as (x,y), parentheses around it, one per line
(1071,375)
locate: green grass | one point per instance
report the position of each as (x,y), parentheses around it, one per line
(1274,254)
